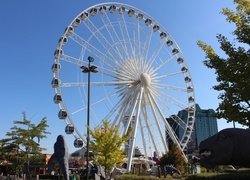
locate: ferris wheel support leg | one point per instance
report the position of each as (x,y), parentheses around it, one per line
(131,149)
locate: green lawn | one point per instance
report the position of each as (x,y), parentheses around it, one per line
(242,174)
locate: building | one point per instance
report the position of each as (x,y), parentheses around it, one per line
(205,126)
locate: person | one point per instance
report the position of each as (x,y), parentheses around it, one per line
(74,176)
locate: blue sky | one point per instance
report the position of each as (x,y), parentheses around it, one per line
(30,31)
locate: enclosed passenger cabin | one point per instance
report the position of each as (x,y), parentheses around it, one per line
(191,119)
(69,129)
(163,35)
(187,79)
(57,98)
(175,51)
(190,89)
(62,114)
(56,67)
(148,22)
(131,12)
(62,41)
(84,16)
(139,16)
(191,108)
(55,82)
(77,22)
(112,8)
(191,99)
(58,53)
(185,138)
(180,60)
(169,42)
(102,9)
(184,69)
(69,30)
(189,129)
(93,11)
(156,28)
(121,9)
(78,143)
(185,148)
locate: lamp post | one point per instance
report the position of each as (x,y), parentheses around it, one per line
(88,70)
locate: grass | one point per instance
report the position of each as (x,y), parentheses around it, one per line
(241,174)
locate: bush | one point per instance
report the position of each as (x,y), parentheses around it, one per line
(57,177)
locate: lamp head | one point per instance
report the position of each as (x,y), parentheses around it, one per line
(93,69)
(84,69)
(91,59)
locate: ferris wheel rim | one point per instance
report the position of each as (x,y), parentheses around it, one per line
(62,105)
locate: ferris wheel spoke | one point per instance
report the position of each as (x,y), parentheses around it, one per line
(178,120)
(123,104)
(131,111)
(122,113)
(93,104)
(147,42)
(126,37)
(162,64)
(173,137)
(163,96)
(166,75)
(141,56)
(156,120)
(156,52)
(169,87)
(72,60)
(92,49)
(146,119)
(143,136)
(133,138)
(116,74)
(79,84)
(148,127)
(123,39)
(119,109)
(138,41)
(113,34)
(102,39)
(77,131)
(129,105)
(168,128)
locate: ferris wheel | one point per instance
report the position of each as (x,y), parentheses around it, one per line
(142,81)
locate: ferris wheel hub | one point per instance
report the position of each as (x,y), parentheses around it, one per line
(145,79)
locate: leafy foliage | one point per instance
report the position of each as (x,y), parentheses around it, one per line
(106,145)
(20,146)
(173,157)
(233,74)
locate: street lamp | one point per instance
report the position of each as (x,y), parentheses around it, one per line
(88,70)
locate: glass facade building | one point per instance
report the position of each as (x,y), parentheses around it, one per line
(205,126)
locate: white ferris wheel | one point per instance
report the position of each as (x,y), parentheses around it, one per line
(142,80)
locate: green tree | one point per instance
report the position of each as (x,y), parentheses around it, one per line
(20,145)
(106,145)
(173,157)
(233,71)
